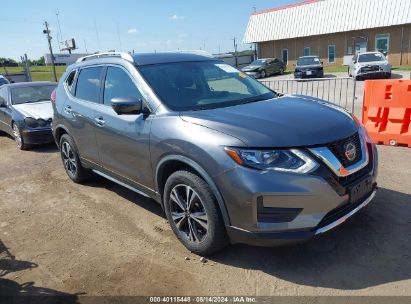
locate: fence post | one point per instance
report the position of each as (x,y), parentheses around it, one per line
(27,68)
(353,95)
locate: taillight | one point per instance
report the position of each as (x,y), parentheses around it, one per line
(53,96)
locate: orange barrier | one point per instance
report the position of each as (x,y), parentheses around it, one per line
(387,111)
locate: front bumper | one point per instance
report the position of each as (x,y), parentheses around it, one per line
(375,71)
(37,136)
(301,206)
(309,74)
(254,74)
(238,235)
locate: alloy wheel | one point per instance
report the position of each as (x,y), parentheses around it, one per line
(188,213)
(17,136)
(69,160)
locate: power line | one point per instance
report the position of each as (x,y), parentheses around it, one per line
(98,38)
(118,35)
(58,24)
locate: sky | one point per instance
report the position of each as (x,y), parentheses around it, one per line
(126,25)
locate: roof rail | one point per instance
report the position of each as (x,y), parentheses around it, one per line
(125,56)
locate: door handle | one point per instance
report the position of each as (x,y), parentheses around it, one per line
(67,110)
(99,121)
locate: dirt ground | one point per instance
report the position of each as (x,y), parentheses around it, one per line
(57,237)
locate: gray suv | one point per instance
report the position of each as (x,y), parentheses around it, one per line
(228,159)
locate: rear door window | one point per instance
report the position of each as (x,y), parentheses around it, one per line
(89,83)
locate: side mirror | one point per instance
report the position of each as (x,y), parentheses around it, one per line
(12,81)
(127,105)
(322,62)
(294,64)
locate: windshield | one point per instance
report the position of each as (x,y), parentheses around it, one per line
(202,85)
(3,81)
(258,62)
(31,94)
(308,61)
(371,57)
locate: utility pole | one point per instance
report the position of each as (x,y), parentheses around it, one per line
(47,32)
(235,52)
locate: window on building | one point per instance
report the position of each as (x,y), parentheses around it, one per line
(307,51)
(382,43)
(331,54)
(285,56)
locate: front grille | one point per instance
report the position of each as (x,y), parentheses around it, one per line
(366,69)
(338,149)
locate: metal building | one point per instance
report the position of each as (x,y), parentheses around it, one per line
(333,29)
(63,58)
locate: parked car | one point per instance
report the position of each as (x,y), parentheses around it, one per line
(309,67)
(3,80)
(26,112)
(369,65)
(228,159)
(262,68)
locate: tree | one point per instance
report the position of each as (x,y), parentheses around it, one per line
(8,62)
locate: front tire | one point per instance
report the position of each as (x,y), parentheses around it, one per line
(18,138)
(263,74)
(71,160)
(193,214)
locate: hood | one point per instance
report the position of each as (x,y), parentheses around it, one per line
(36,110)
(250,68)
(288,121)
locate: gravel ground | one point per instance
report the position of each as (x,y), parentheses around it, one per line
(57,237)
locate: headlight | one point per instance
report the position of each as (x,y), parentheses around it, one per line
(42,122)
(31,122)
(292,160)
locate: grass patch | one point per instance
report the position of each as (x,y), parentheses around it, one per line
(402,67)
(38,73)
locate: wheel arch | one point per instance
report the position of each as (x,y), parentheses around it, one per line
(58,133)
(172,163)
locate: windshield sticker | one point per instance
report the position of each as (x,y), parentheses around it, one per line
(227,68)
(316,60)
(242,75)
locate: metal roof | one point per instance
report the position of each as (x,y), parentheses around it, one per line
(318,17)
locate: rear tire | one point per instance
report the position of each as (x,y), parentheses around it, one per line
(71,160)
(193,214)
